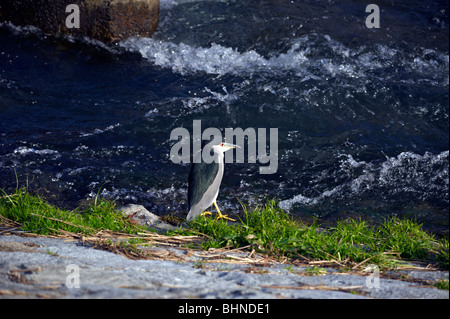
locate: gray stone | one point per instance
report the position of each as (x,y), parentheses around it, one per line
(102,274)
(141,215)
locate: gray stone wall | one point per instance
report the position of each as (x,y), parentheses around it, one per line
(105,20)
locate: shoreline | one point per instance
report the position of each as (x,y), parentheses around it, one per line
(132,261)
(37,268)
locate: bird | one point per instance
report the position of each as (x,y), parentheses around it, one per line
(204,183)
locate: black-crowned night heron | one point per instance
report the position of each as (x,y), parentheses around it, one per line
(204,183)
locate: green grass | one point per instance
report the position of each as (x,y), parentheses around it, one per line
(315,271)
(349,243)
(442,284)
(267,229)
(37,216)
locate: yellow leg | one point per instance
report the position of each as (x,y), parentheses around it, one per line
(219,214)
(205,213)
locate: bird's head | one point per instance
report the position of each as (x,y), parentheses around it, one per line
(223,147)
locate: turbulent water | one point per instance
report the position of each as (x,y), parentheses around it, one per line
(362,114)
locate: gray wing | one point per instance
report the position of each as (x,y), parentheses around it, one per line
(201,177)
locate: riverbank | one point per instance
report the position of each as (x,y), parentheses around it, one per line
(43,267)
(100,251)
(267,230)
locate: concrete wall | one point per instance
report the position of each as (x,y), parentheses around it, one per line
(105,20)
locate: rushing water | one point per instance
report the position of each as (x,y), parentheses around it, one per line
(362,114)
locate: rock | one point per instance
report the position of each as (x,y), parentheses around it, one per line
(18,247)
(142,216)
(102,20)
(51,270)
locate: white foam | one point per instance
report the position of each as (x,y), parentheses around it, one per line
(16,30)
(168,4)
(99,131)
(407,172)
(301,59)
(220,60)
(23,150)
(183,58)
(307,201)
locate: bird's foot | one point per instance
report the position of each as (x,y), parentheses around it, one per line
(205,213)
(220,216)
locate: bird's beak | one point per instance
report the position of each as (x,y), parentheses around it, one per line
(228,145)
